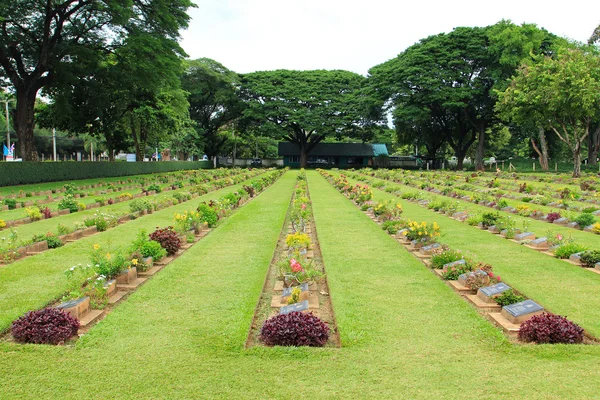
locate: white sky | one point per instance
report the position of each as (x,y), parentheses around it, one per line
(254,35)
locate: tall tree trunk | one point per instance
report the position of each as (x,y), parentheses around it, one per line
(542,151)
(577,161)
(24,122)
(303,156)
(479,166)
(594,146)
(460,159)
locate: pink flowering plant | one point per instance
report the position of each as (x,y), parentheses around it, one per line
(296,270)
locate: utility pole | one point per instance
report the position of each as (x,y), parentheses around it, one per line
(7,124)
(54,143)
(256,152)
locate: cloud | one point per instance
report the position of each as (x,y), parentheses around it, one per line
(254,35)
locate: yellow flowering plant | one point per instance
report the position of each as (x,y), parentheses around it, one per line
(388,210)
(108,264)
(187,221)
(422,231)
(297,241)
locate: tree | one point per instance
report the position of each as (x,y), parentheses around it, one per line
(214,101)
(129,96)
(559,93)
(41,41)
(447,82)
(305,107)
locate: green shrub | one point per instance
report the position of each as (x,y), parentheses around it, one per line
(509,297)
(68,202)
(11,203)
(153,249)
(207,214)
(34,172)
(590,258)
(585,219)
(155,188)
(439,260)
(137,206)
(566,249)
(489,219)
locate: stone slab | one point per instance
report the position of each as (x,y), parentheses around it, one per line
(460,287)
(149,272)
(525,236)
(115,298)
(301,307)
(520,312)
(127,277)
(488,293)
(90,318)
(281,301)
(77,308)
(132,285)
(484,305)
(507,326)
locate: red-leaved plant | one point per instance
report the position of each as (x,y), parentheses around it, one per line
(168,239)
(47,326)
(553,216)
(294,329)
(46,212)
(550,328)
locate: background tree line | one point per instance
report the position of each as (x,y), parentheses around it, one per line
(114,72)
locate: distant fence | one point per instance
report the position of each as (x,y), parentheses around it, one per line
(247,162)
(20,173)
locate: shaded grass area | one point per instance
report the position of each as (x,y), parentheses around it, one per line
(561,287)
(33,282)
(405,334)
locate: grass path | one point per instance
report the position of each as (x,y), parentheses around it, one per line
(405,334)
(559,286)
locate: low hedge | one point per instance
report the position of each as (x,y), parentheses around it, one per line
(22,173)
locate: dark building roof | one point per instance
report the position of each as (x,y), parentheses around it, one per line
(333,149)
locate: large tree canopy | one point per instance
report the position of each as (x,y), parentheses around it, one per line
(214,101)
(441,89)
(41,41)
(559,93)
(304,107)
(131,95)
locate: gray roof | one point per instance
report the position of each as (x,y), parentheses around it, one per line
(330,149)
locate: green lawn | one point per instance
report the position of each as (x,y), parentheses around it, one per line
(561,287)
(35,281)
(405,334)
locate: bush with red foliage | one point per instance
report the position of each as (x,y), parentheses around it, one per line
(46,212)
(294,329)
(550,328)
(553,216)
(47,326)
(168,239)
(249,189)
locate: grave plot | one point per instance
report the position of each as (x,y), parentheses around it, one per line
(556,245)
(295,308)
(44,236)
(26,275)
(111,276)
(473,281)
(582,218)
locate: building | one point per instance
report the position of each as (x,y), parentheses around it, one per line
(334,155)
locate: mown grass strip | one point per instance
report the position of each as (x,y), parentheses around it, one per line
(560,287)
(182,335)
(36,281)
